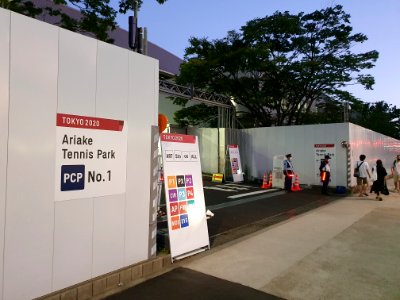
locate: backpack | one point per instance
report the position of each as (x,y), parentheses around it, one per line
(322,165)
(357,170)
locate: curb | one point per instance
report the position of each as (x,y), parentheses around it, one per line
(113,282)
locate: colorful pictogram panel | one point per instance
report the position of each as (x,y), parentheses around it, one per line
(180,181)
(171,182)
(174,208)
(188,180)
(184,221)
(189,193)
(173,195)
(182,207)
(180,189)
(181,194)
(175,222)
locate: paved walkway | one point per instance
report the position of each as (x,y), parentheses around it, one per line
(182,283)
(348,249)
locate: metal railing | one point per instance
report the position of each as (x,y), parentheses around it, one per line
(190,93)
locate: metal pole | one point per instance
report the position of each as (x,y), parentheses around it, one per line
(346,111)
(145,41)
(135,8)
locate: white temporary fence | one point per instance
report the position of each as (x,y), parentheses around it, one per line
(47,245)
(308,144)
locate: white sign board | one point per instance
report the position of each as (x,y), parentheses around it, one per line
(90,157)
(278,180)
(184,197)
(236,165)
(320,151)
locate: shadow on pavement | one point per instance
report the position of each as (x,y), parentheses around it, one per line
(184,283)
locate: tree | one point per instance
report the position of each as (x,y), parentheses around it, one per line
(380,117)
(279,67)
(126,5)
(23,7)
(197,115)
(97,16)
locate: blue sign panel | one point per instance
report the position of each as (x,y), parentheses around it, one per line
(72,177)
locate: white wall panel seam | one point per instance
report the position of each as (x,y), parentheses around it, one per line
(54,208)
(95,113)
(156,96)
(8,135)
(97,79)
(127,151)
(92,264)
(6,166)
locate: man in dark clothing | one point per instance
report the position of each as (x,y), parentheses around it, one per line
(325,172)
(288,172)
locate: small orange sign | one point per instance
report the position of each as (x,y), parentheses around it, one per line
(217,177)
(171,182)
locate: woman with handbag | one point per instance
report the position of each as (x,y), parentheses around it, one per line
(379,185)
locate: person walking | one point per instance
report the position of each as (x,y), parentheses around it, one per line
(325,173)
(379,185)
(363,173)
(396,173)
(288,171)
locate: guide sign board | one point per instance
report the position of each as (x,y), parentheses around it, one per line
(90,157)
(184,194)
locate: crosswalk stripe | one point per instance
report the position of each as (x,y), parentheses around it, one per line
(252,193)
(218,189)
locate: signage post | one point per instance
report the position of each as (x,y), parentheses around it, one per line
(278,180)
(235,163)
(320,151)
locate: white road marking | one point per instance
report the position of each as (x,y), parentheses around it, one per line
(251,193)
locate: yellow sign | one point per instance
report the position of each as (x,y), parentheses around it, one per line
(217,177)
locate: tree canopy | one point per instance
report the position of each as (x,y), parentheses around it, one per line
(280,67)
(97,16)
(380,117)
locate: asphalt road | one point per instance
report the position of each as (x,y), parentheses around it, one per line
(240,209)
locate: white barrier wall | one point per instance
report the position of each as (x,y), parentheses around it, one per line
(4,96)
(374,146)
(45,70)
(260,145)
(209,147)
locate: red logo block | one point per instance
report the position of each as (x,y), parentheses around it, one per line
(189,193)
(174,209)
(183,207)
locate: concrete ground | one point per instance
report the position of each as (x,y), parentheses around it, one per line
(342,248)
(347,249)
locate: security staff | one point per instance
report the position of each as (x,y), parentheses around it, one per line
(325,172)
(288,172)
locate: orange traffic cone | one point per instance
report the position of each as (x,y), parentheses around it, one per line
(270,180)
(296,185)
(265,183)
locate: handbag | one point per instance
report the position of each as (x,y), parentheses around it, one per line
(385,190)
(357,170)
